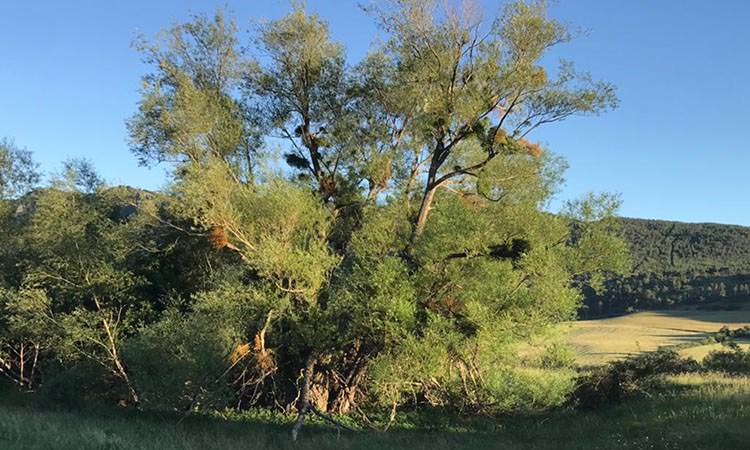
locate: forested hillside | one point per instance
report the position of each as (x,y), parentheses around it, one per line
(675,264)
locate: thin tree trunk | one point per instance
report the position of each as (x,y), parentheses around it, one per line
(424,211)
(429,193)
(119,368)
(303,405)
(124,376)
(392,417)
(33,365)
(6,368)
(22,365)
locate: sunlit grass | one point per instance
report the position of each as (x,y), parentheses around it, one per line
(701,351)
(599,341)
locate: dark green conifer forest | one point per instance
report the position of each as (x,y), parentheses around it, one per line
(677,266)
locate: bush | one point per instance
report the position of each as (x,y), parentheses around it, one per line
(622,379)
(82,383)
(177,363)
(734,361)
(726,334)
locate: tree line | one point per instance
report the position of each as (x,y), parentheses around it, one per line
(334,237)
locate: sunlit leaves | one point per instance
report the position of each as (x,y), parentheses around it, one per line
(18,172)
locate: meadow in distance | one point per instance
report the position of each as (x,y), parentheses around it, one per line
(361,254)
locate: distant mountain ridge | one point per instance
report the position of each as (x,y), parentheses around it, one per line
(678,265)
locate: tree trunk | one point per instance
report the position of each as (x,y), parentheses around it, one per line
(123,374)
(424,211)
(429,193)
(22,364)
(303,405)
(344,400)
(33,365)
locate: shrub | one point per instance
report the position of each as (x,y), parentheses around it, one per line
(726,334)
(734,360)
(82,383)
(177,363)
(622,379)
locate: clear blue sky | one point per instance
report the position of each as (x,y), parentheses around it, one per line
(675,149)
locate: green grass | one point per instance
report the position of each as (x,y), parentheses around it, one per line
(602,340)
(687,412)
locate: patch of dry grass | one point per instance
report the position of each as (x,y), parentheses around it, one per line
(599,341)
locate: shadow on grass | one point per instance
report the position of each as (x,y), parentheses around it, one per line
(671,413)
(718,316)
(424,428)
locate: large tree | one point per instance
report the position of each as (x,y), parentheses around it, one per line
(403,252)
(471,92)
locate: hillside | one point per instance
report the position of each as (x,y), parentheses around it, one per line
(678,265)
(658,245)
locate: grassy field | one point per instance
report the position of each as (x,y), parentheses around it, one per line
(599,341)
(700,351)
(689,412)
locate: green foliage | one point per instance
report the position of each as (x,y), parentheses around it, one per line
(595,228)
(175,362)
(189,111)
(622,379)
(734,360)
(18,172)
(726,334)
(81,251)
(403,256)
(78,175)
(25,337)
(280,228)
